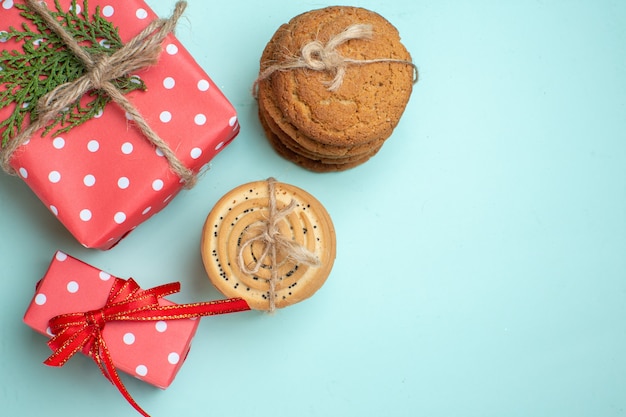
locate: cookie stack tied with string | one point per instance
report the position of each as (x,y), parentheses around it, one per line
(270,243)
(332,86)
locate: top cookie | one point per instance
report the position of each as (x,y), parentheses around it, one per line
(368,104)
(270,243)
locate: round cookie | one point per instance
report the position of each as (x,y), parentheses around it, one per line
(372,97)
(273,114)
(237,255)
(290,149)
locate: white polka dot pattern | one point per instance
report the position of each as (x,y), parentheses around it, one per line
(165,117)
(200,119)
(141,14)
(89,180)
(127,148)
(129,338)
(54,177)
(196,153)
(151,350)
(85,215)
(119,217)
(93,146)
(203,85)
(123,183)
(72,287)
(40,299)
(169,83)
(171,49)
(157,185)
(85,176)
(58,142)
(141,370)
(107,11)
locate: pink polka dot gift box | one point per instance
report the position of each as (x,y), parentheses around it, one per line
(115,322)
(147,118)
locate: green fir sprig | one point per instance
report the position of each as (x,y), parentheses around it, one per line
(45,63)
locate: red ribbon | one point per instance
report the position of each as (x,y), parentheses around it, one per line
(76,332)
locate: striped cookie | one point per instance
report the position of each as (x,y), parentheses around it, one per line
(270,243)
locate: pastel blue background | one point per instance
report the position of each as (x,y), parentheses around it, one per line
(481,264)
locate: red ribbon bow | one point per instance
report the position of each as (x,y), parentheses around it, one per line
(76,332)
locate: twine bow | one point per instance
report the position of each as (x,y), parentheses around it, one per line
(274,242)
(82,332)
(141,51)
(319,57)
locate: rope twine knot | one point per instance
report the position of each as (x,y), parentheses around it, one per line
(319,57)
(274,242)
(102,65)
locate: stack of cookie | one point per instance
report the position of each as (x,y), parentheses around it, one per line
(272,244)
(332,86)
